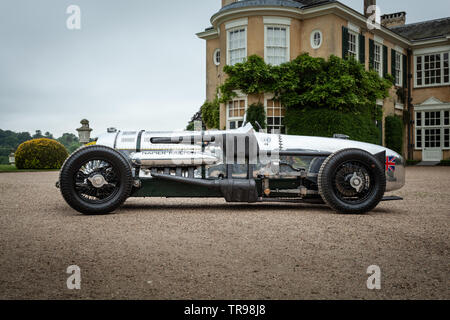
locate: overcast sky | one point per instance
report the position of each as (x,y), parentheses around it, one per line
(135,64)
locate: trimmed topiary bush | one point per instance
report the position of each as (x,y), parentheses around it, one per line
(394,133)
(41,154)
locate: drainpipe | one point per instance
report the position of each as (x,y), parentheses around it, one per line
(410,108)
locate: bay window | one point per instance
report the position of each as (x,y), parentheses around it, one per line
(276,44)
(237,45)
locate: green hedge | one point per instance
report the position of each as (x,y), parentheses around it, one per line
(445,163)
(394,133)
(325,123)
(412,162)
(40,154)
(256,113)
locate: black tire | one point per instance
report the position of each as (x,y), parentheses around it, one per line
(113,195)
(336,190)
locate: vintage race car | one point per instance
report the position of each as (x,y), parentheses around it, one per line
(239,165)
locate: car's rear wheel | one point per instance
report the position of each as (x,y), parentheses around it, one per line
(96,180)
(352,181)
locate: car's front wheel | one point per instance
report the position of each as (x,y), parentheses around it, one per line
(352,181)
(96,180)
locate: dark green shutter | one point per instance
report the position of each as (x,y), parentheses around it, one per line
(393,62)
(371,54)
(362,49)
(385,61)
(405,71)
(344,42)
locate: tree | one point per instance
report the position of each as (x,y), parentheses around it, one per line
(48,135)
(9,141)
(70,141)
(196,117)
(22,137)
(38,135)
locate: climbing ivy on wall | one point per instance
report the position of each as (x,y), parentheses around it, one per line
(210,111)
(306,83)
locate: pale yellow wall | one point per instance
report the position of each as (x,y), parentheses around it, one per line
(296,41)
(417,155)
(212,71)
(223,48)
(223,116)
(255,98)
(420,95)
(331,27)
(255,36)
(214,74)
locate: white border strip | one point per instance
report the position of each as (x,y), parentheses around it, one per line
(236,23)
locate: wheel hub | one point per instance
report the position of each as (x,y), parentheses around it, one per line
(351,180)
(98,181)
(356,182)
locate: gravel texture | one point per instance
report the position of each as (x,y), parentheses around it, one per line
(207,249)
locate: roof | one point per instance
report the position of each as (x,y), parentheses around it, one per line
(424,30)
(272,3)
(313,2)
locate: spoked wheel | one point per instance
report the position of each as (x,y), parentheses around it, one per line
(352,181)
(96,180)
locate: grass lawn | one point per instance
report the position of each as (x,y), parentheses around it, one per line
(10,168)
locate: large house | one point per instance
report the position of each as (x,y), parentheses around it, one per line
(280,30)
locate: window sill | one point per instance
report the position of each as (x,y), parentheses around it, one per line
(432,86)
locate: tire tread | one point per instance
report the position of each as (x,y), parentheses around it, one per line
(86,208)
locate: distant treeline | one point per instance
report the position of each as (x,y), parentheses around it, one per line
(9,141)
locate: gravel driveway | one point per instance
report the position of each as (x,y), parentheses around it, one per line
(207,249)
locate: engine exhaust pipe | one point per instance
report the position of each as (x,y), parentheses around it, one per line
(167,159)
(233,190)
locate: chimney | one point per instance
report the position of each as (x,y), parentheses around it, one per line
(227,2)
(393,19)
(367,4)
